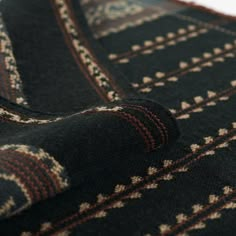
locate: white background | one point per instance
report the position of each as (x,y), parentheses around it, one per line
(227,7)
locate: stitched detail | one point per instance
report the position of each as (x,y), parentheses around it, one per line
(210,216)
(70,45)
(5,82)
(32,175)
(149,185)
(144,132)
(14,83)
(150,181)
(8,115)
(52,184)
(88,63)
(152,117)
(200,214)
(42,181)
(17,168)
(200,102)
(7,205)
(33,192)
(196,65)
(144,128)
(161,42)
(12,178)
(13,117)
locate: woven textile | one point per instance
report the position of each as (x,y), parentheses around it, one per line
(86,148)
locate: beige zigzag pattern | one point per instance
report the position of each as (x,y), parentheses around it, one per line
(134,190)
(200,214)
(197,64)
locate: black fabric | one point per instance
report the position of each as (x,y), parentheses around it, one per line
(85,143)
(53,82)
(106,172)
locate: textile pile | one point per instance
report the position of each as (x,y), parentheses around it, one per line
(116,118)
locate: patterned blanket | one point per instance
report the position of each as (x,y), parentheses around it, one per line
(117,117)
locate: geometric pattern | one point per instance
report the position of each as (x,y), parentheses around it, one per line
(11,84)
(184,58)
(201,213)
(124,14)
(197,64)
(154,179)
(27,175)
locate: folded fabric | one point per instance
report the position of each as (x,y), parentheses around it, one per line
(42,155)
(102,168)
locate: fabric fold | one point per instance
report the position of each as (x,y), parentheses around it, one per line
(44,155)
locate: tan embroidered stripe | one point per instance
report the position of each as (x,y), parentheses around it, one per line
(98,76)
(154,176)
(161,42)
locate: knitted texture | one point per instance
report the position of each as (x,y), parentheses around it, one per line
(29,174)
(100,157)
